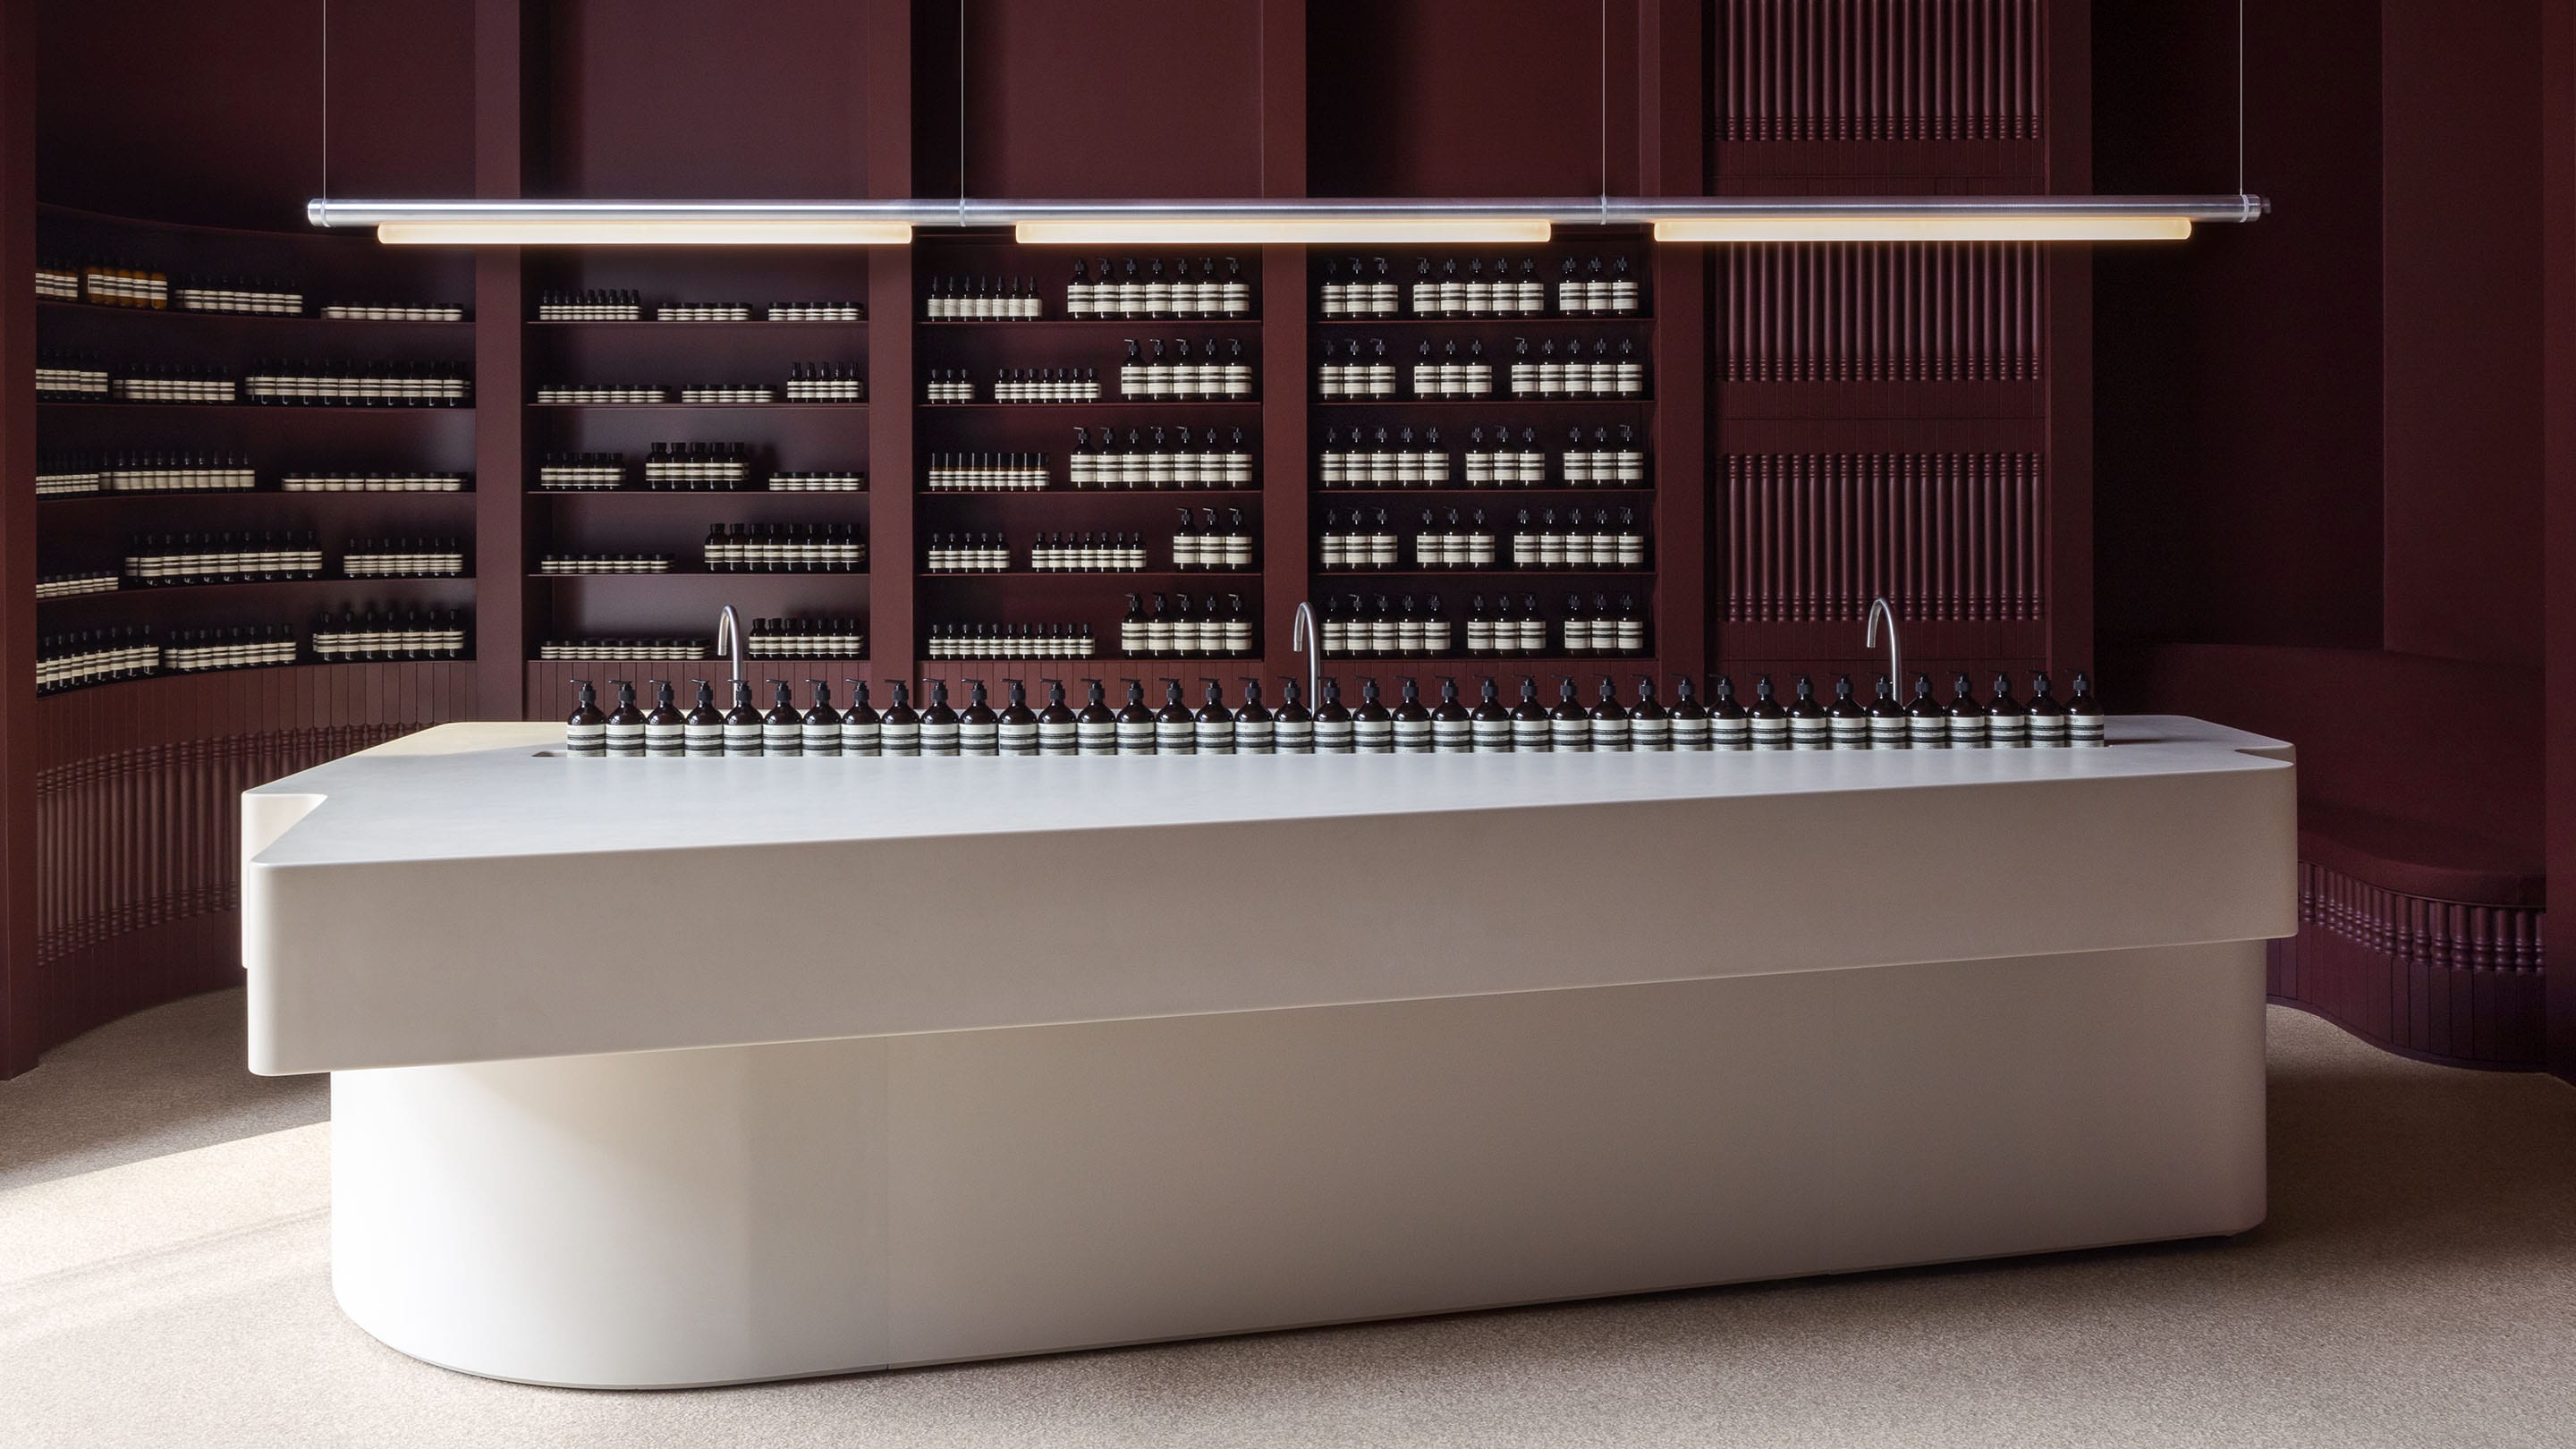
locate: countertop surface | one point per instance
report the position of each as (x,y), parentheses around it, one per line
(497,791)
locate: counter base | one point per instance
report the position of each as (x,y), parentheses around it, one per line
(663,1219)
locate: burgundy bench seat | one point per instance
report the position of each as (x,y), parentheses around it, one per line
(2421,877)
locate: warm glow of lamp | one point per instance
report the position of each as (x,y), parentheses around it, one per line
(1318,231)
(655,232)
(1862,227)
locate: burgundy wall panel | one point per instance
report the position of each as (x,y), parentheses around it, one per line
(2460,228)
(1461,98)
(1109,98)
(684,99)
(2238,381)
(402,116)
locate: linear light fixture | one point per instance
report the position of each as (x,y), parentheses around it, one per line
(1254,221)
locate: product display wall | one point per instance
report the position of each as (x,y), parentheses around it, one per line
(1723,454)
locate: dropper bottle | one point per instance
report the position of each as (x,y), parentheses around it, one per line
(742,726)
(1453,730)
(862,728)
(782,730)
(703,731)
(586,729)
(1059,728)
(1018,726)
(1569,725)
(1135,722)
(899,729)
(822,723)
(979,730)
(1212,733)
(1292,728)
(1334,734)
(665,730)
(938,721)
(1256,729)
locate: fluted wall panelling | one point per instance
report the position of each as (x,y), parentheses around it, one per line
(2444,980)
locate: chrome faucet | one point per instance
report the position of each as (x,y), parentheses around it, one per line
(729,636)
(1869,640)
(1302,634)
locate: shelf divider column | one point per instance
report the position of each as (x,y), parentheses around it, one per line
(503,71)
(893,641)
(20,987)
(1285,567)
(1671,140)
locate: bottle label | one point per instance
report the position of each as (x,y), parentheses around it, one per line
(782,739)
(1293,737)
(2087,731)
(2047,731)
(979,738)
(1570,736)
(1610,736)
(1413,736)
(1096,739)
(1654,735)
(1255,737)
(1453,736)
(704,739)
(742,739)
(1731,734)
(665,740)
(1492,737)
(1887,734)
(822,739)
(1770,734)
(1059,737)
(1691,734)
(1809,734)
(1334,737)
(1215,737)
(900,739)
(1135,737)
(1021,738)
(586,739)
(1532,735)
(1373,736)
(938,739)
(1849,733)
(624,739)
(859,739)
(1967,732)
(1175,737)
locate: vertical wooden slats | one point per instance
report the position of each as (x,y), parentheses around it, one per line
(2451,980)
(1821,313)
(1879,70)
(1817,536)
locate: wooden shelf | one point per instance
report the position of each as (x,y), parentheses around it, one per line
(1500,402)
(1239,404)
(773,407)
(56,306)
(277,409)
(756,323)
(1544,319)
(1130,323)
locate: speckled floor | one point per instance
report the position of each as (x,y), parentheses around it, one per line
(164,1280)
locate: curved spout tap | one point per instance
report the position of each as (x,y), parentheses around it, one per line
(1302,634)
(1869,640)
(729,637)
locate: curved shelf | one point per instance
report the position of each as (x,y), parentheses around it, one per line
(278,409)
(1089,576)
(695,406)
(1131,323)
(1498,403)
(1439,573)
(202,592)
(1545,319)
(752,323)
(194,494)
(1251,494)
(700,571)
(1643,492)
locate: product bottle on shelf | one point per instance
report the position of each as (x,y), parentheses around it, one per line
(742,724)
(1846,723)
(1372,727)
(1927,724)
(625,729)
(1810,727)
(1256,729)
(2007,723)
(2085,724)
(1769,722)
(1095,729)
(703,730)
(862,728)
(1175,730)
(1569,725)
(1967,718)
(1452,729)
(665,729)
(899,728)
(939,726)
(1489,725)
(1335,733)
(782,730)
(1888,727)
(1650,725)
(586,729)
(1212,731)
(1016,726)
(1690,719)
(1293,727)
(1610,722)
(979,730)
(2048,720)
(1532,731)
(1730,727)
(1135,722)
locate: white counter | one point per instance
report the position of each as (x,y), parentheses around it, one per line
(1099,1050)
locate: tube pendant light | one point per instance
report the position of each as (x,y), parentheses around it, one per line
(1254,221)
